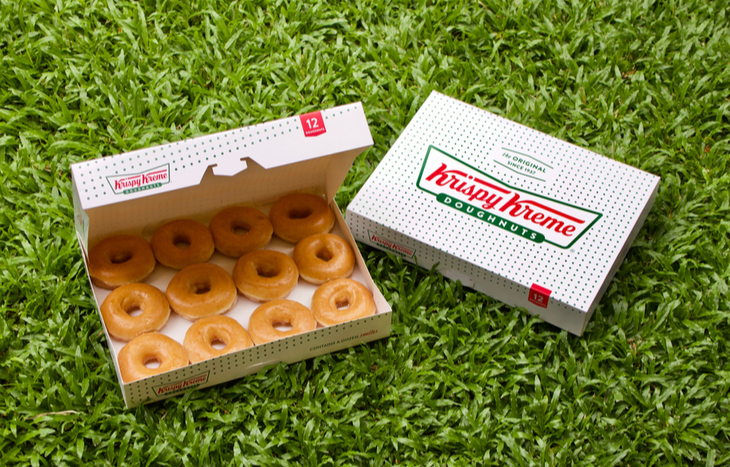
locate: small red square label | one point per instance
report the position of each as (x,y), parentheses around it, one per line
(539,295)
(313,124)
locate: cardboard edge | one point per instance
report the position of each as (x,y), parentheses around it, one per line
(84,257)
(622,254)
(272,356)
(557,313)
(380,301)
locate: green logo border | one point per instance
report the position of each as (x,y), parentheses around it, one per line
(423,167)
(146,187)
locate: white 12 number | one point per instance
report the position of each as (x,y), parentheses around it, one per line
(312,122)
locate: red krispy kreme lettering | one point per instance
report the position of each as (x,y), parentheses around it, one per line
(392,245)
(169,388)
(153,177)
(490,196)
(131,182)
(142,180)
(197,380)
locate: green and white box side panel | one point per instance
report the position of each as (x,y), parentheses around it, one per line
(519,215)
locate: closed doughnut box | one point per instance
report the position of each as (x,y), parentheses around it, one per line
(521,216)
(138,192)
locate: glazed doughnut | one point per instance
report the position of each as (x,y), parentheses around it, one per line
(297,216)
(323,257)
(117,305)
(146,348)
(287,312)
(328,298)
(197,236)
(201,290)
(265,275)
(120,260)
(224,225)
(199,339)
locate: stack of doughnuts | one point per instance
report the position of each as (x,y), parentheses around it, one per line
(202,292)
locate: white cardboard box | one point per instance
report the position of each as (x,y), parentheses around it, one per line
(135,193)
(511,212)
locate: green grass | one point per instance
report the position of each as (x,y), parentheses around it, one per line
(463,379)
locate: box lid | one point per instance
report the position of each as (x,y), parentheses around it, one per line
(521,204)
(182,164)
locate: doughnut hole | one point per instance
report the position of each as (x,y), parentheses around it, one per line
(132,306)
(300,213)
(120,257)
(202,288)
(341,300)
(283,326)
(324,254)
(218,344)
(134,311)
(267,270)
(218,338)
(182,242)
(152,363)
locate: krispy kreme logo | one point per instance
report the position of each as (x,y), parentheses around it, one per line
(391,245)
(132,183)
(528,215)
(183,385)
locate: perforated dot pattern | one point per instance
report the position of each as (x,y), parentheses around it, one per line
(187,160)
(234,365)
(575,275)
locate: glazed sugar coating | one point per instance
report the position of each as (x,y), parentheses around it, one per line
(168,239)
(146,348)
(201,290)
(203,333)
(323,257)
(228,242)
(265,275)
(155,311)
(286,312)
(120,260)
(300,215)
(341,300)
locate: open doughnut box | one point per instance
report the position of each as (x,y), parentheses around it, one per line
(135,193)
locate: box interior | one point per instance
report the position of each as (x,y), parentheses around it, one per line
(177,326)
(254,187)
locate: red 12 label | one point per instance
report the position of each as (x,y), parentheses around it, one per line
(312,124)
(539,295)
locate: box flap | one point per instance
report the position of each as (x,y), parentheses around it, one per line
(183,164)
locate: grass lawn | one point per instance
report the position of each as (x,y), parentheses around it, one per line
(464,379)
